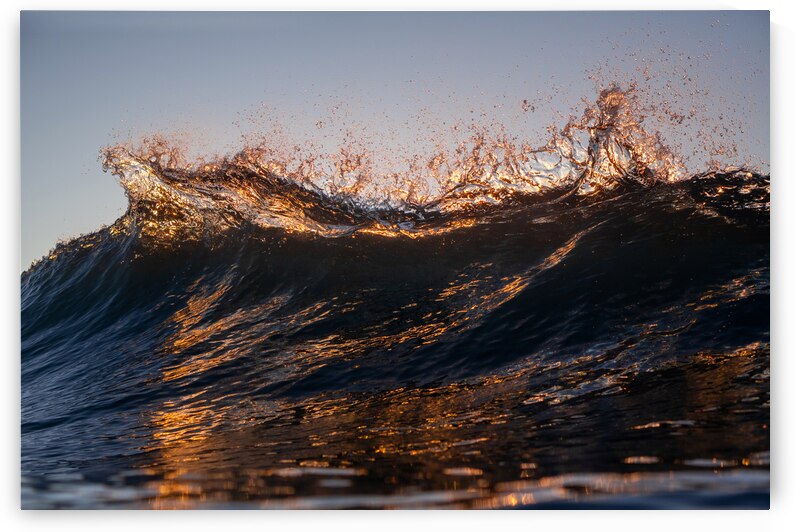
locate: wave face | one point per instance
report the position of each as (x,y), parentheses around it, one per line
(582,325)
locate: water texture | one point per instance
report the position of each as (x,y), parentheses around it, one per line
(581,325)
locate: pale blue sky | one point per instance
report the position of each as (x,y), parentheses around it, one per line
(92,78)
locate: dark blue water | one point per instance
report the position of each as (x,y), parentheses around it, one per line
(602,352)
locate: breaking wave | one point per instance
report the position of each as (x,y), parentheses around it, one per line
(584,323)
(605,149)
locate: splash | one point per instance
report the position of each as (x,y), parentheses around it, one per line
(604,149)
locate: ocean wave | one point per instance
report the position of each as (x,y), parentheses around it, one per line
(586,314)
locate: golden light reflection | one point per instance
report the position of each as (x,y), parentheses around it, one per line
(207,452)
(212,446)
(735,290)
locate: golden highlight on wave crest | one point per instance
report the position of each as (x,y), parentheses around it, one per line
(339,193)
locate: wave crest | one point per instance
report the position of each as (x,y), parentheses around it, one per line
(606,148)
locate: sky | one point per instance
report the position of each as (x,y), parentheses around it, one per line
(91,79)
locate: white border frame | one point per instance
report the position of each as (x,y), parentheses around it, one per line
(782,39)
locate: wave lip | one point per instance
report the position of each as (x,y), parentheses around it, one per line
(337,194)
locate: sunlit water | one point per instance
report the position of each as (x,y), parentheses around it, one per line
(585,325)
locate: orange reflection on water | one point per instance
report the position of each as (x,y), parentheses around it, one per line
(735,290)
(211,446)
(180,434)
(437,437)
(223,344)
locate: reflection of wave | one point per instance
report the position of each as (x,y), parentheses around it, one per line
(603,336)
